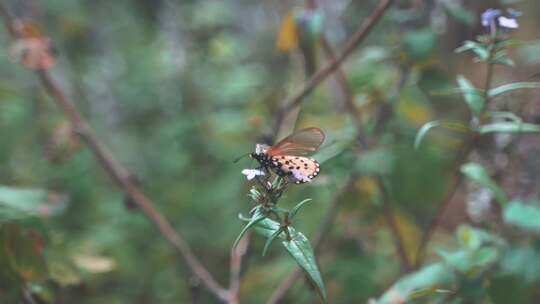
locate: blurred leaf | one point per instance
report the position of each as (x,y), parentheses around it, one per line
(376,161)
(19,203)
(288,34)
(327,152)
(509,127)
(414,107)
(419,45)
(478,174)
(479,49)
(508,289)
(523,216)
(409,233)
(502,58)
(460,13)
(432,277)
(23,249)
(467,261)
(523,263)
(505,115)
(457,126)
(468,238)
(473,97)
(507,88)
(94,263)
(258,215)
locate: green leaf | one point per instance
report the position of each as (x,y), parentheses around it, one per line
(21,203)
(523,262)
(460,13)
(502,58)
(466,260)
(458,126)
(479,49)
(473,97)
(298,247)
(505,115)
(478,174)
(266,227)
(258,215)
(270,240)
(298,207)
(509,127)
(419,44)
(525,216)
(23,250)
(302,252)
(468,238)
(432,277)
(507,88)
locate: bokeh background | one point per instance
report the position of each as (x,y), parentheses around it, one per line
(179,89)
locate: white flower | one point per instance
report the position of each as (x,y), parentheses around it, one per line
(509,23)
(251,173)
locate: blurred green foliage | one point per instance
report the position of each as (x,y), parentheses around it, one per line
(178,89)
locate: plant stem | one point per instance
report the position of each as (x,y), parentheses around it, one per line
(469,147)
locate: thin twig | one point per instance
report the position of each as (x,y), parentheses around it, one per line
(237,254)
(391,221)
(341,79)
(364,30)
(322,232)
(120,174)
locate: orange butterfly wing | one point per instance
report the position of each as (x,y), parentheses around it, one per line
(302,169)
(303,142)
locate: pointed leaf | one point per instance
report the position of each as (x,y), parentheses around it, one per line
(507,88)
(302,252)
(525,216)
(20,203)
(505,115)
(435,276)
(509,127)
(478,174)
(298,207)
(473,97)
(270,240)
(258,215)
(299,248)
(458,126)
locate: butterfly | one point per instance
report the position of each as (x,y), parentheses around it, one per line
(287,157)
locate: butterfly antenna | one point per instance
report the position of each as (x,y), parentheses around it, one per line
(240,157)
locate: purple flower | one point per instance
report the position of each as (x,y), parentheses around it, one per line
(494,19)
(489,17)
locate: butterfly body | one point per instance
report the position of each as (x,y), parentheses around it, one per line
(286,158)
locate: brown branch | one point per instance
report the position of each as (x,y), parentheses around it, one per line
(121,176)
(341,79)
(322,232)
(237,254)
(391,221)
(364,30)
